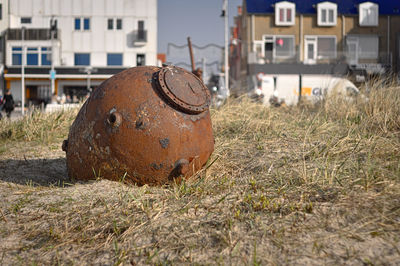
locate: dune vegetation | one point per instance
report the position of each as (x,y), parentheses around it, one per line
(311,184)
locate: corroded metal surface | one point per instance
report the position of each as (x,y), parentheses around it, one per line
(145,125)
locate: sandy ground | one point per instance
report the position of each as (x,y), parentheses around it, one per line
(47,218)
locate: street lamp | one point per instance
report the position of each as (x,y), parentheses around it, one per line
(53,30)
(88,70)
(23,71)
(226,7)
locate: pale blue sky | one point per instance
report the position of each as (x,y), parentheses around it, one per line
(199,19)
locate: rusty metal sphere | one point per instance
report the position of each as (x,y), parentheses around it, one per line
(145,125)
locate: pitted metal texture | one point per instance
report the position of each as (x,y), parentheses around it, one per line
(145,125)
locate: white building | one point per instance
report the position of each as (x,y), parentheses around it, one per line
(94,39)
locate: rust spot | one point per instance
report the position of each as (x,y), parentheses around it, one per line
(164,143)
(156,166)
(140,124)
(181,168)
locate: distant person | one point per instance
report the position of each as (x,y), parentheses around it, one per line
(8,105)
(63,99)
(54,99)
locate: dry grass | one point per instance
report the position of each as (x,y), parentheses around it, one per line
(43,128)
(303,185)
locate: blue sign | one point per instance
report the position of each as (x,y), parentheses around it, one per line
(52,74)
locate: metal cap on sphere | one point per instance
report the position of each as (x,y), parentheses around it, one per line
(184,90)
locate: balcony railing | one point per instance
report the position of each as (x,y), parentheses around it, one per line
(139,36)
(30,34)
(333,57)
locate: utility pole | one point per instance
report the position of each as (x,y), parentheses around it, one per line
(53,29)
(23,72)
(226,5)
(88,72)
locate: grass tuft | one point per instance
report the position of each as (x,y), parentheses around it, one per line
(43,128)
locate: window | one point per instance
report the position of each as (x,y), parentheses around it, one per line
(326,47)
(77,24)
(327,14)
(26,20)
(1,11)
(284,13)
(86,24)
(368,14)
(277,47)
(80,21)
(82,59)
(141,31)
(17,55)
(364,46)
(285,16)
(140,60)
(284,46)
(46,56)
(119,24)
(114,21)
(110,24)
(114,59)
(32,56)
(319,47)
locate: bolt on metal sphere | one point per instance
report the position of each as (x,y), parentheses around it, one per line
(146,125)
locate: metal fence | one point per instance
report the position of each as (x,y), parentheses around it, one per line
(333,57)
(140,36)
(30,34)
